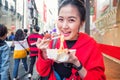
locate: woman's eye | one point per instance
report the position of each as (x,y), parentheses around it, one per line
(71,20)
(61,20)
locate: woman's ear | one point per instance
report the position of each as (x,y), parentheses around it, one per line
(82,23)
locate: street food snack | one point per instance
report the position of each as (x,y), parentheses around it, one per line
(61,57)
(60,54)
(47,36)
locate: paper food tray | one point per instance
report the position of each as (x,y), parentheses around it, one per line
(61,57)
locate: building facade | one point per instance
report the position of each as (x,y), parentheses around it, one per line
(32,14)
(8,13)
(107,22)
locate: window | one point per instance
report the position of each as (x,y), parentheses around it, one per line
(6,5)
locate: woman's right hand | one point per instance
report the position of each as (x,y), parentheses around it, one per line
(43,45)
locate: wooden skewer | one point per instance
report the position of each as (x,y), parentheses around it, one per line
(46,40)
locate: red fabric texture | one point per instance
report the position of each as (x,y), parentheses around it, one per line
(88,54)
(110,50)
(31,39)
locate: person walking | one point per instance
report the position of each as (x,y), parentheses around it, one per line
(4,54)
(20,52)
(87,63)
(11,37)
(32,38)
(25,32)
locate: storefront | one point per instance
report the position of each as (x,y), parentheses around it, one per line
(107,24)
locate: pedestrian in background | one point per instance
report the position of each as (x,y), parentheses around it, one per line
(32,38)
(87,63)
(25,32)
(20,53)
(4,54)
(11,37)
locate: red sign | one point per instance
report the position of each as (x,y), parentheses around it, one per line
(44,12)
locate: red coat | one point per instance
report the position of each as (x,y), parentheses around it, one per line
(88,54)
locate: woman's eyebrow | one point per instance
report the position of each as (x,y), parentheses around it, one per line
(68,17)
(60,17)
(73,17)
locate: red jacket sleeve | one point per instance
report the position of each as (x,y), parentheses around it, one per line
(90,56)
(43,66)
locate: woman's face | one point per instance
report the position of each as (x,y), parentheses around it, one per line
(69,22)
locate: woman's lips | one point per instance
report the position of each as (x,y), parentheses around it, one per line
(66,34)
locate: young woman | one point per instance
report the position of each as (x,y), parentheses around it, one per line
(19,52)
(87,63)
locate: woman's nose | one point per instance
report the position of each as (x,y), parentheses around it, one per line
(65,24)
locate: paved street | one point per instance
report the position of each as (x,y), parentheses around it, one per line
(21,73)
(112,70)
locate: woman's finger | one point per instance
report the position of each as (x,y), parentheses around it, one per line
(43,44)
(38,42)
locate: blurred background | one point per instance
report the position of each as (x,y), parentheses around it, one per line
(102,23)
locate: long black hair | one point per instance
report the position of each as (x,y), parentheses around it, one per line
(19,35)
(79,4)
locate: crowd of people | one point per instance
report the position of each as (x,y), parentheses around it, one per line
(20,44)
(86,64)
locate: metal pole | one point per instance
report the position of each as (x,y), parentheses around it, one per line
(23,15)
(87,24)
(16,14)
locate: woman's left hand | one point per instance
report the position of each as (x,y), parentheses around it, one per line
(73,59)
